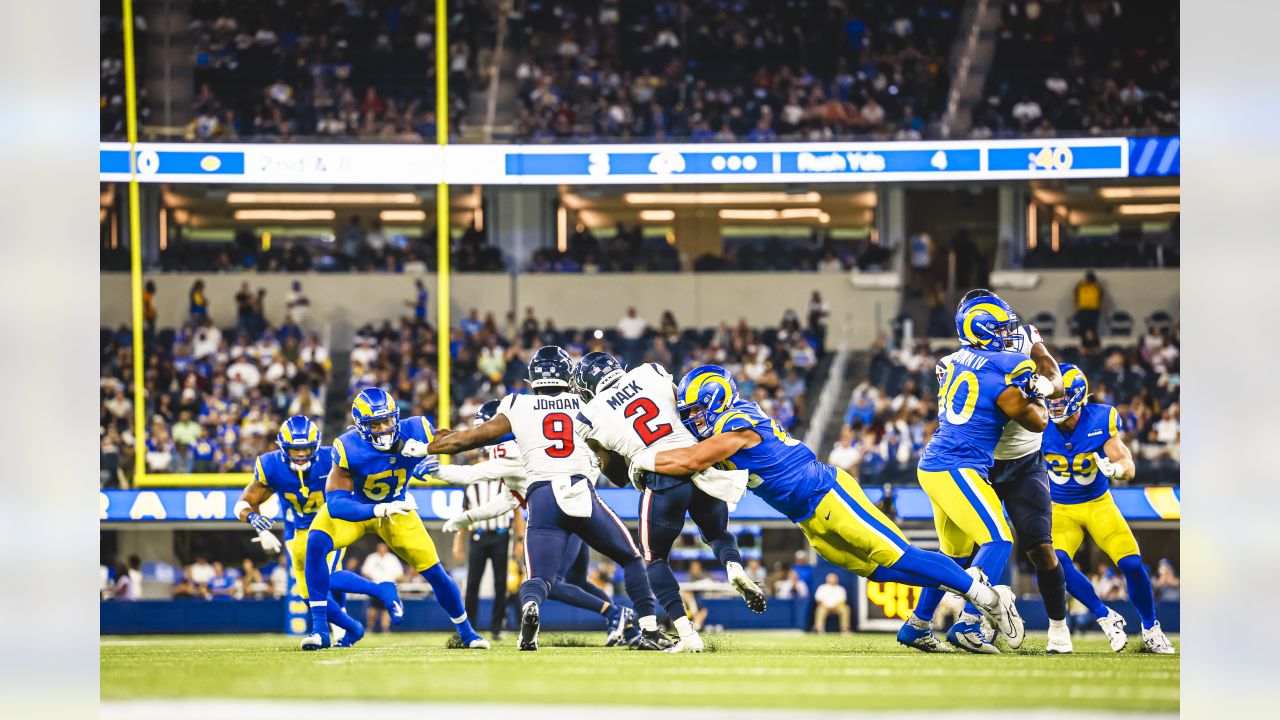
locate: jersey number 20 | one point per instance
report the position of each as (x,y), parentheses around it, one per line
(558,427)
(951,385)
(644,412)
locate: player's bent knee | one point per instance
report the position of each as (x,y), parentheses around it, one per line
(1042,556)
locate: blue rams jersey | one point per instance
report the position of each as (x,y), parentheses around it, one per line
(970,420)
(1073,470)
(302,491)
(378,476)
(783,471)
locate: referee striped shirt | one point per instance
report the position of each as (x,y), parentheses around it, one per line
(478,494)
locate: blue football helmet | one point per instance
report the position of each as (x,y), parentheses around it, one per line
(595,372)
(551,367)
(703,395)
(486,412)
(370,406)
(1075,393)
(298,433)
(986,321)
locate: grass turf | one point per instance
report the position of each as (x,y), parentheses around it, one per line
(747,669)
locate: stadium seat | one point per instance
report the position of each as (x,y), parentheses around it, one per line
(1160,320)
(1046,323)
(1120,323)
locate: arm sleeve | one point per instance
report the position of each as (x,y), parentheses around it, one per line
(340,454)
(501,504)
(1032,334)
(487,470)
(1113,423)
(259,476)
(344,506)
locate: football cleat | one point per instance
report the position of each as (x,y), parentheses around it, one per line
(1059,640)
(352,636)
(529,624)
(690,644)
(390,597)
(746,587)
(653,640)
(619,618)
(1155,641)
(315,641)
(921,639)
(1113,627)
(968,637)
(477,643)
(1003,613)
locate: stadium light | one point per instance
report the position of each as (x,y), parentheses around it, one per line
(720,198)
(402,215)
(1157,209)
(284,215)
(657,215)
(1131,193)
(303,198)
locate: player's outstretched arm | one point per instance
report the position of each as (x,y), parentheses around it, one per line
(1047,368)
(689,460)
(1119,458)
(454,442)
(1030,413)
(255,493)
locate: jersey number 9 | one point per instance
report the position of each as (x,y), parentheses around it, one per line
(558,427)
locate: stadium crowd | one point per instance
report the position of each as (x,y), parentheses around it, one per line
(892,411)
(214,398)
(744,70)
(1082,66)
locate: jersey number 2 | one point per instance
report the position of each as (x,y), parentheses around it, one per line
(644,412)
(558,427)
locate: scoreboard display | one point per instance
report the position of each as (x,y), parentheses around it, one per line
(882,607)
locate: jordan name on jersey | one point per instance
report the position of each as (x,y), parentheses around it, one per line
(544,430)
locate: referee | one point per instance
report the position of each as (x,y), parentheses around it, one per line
(490,543)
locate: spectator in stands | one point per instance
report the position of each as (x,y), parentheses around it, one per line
(160,448)
(197,304)
(1167,585)
(1088,296)
(831,599)
(128,585)
(632,327)
(791,587)
(296,304)
(845,453)
(110,451)
(1107,583)
(251,581)
(1165,434)
(201,572)
(188,588)
(757,573)
(381,566)
(224,585)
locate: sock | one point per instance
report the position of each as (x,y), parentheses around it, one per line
(348,582)
(896,575)
(1080,587)
(319,545)
(597,592)
(665,587)
(575,596)
(648,623)
(1056,624)
(1053,589)
(636,578)
(991,559)
(338,616)
(943,573)
(726,549)
(1140,592)
(684,626)
(533,590)
(449,598)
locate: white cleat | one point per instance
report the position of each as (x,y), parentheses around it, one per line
(315,641)
(746,587)
(690,644)
(1003,613)
(1156,642)
(1113,627)
(1059,640)
(478,644)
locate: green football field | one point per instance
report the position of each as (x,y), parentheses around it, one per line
(755,670)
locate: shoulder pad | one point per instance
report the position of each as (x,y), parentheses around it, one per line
(507,403)
(734,420)
(339,451)
(417,427)
(1018,369)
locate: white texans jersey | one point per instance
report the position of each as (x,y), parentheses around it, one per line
(544,430)
(1016,441)
(502,464)
(636,412)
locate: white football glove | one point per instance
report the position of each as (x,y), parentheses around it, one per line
(414,448)
(1039,386)
(458,523)
(270,543)
(396,507)
(1106,467)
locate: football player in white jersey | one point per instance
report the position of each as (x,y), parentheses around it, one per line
(1022,484)
(628,412)
(561,495)
(570,585)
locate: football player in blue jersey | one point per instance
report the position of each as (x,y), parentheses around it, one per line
(1084,453)
(297,473)
(986,386)
(367,492)
(828,505)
